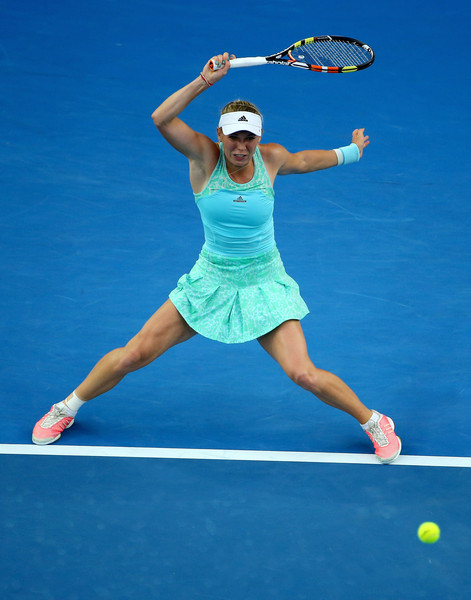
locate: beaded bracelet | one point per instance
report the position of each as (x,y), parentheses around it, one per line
(205,80)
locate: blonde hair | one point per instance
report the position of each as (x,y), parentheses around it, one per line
(240,105)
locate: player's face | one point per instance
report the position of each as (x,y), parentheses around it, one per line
(239,147)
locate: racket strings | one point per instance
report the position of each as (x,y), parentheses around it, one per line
(331,53)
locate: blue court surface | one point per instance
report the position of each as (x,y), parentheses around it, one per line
(209,475)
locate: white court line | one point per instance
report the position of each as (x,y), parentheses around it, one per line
(242,455)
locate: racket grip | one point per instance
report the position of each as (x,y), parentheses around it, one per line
(250,61)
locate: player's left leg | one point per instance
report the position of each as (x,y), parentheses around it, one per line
(287,345)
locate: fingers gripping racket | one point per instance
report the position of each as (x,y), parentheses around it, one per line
(325,54)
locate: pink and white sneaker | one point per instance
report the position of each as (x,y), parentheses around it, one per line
(387,444)
(49,429)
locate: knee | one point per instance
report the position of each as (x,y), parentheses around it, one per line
(308,378)
(132,358)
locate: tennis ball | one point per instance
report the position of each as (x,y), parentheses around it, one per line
(429,532)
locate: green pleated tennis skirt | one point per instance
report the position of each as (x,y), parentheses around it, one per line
(235,300)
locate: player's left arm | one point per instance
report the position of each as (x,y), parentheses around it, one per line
(307,161)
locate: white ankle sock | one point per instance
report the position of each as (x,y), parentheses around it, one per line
(72,404)
(373,419)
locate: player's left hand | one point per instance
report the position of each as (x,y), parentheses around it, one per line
(360,139)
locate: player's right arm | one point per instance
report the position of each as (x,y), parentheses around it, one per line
(198,148)
(182,137)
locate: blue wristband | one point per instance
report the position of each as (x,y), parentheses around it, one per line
(350,154)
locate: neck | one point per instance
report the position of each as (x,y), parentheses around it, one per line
(241,174)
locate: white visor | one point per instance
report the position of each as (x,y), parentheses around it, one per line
(241,121)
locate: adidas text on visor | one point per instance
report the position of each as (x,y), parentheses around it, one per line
(241,121)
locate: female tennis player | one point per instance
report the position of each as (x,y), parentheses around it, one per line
(238,289)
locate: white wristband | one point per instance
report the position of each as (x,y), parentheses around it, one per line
(339,154)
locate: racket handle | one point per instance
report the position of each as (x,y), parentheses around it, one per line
(250,61)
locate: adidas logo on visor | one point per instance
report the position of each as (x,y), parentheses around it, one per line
(243,118)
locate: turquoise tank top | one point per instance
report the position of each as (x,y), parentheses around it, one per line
(237,217)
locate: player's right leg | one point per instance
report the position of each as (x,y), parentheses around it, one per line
(164,329)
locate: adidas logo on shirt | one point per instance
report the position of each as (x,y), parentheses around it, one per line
(239,199)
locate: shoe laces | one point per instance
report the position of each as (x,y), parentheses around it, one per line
(54,417)
(380,435)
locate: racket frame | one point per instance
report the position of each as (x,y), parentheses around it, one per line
(278,57)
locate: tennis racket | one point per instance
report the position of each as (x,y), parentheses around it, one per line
(325,54)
